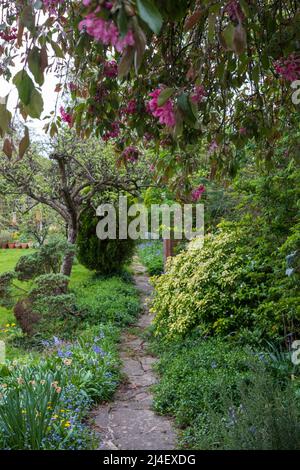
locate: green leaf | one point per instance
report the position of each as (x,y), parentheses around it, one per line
(35,65)
(53,129)
(150,15)
(164,95)
(185,106)
(122,21)
(27,17)
(126,62)
(24,85)
(140,46)
(58,52)
(211,27)
(38,4)
(5,117)
(227,36)
(36,105)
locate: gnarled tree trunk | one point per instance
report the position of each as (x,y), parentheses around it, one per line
(67,264)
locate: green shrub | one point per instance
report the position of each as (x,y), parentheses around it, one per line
(111,299)
(48,307)
(235,285)
(266,416)
(226,397)
(47,260)
(29,266)
(195,374)
(151,255)
(6,288)
(104,256)
(49,285)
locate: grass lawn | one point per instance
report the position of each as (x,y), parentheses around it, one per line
(8,260)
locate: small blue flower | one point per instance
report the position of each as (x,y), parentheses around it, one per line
(98,350)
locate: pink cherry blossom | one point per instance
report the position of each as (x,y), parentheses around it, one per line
(72,86)
(113,132)
(9,34)
(52,5)
(198,94)
(197,193)
(131,107)
(131,154)
(289,68)
(106,32)
(111,69)
(86,3)
(66,117)
(164,113)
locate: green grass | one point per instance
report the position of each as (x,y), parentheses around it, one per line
(102,299)
(9,258)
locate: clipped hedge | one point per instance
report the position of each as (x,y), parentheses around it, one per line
(104,256)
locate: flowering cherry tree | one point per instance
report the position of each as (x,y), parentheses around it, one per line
(215,74)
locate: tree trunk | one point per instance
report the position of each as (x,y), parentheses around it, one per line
(67,264)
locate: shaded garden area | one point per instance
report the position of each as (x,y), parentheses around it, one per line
(113,114)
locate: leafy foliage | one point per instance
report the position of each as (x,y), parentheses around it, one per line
(240,283)
(151,255)
(224,397)
(104,256)
(47,260)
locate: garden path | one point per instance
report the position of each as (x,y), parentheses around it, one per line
(129,423)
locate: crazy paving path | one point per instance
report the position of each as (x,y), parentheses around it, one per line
(129,423)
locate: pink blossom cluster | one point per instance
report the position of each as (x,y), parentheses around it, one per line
(52,5)
(106,32)
(72,86)
(197,193)
(131,107)
(9,35)
(198,94)
(164,113)
(131,154)
(289,68)
(107,5)
(234,10)
(113,132)
(66,117)
(111,69)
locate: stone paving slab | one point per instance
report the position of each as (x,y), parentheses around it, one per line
(129,423)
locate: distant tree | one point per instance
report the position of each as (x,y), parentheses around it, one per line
(74,172)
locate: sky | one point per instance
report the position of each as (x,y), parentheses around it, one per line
(49,97)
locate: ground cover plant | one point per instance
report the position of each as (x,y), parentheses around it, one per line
(56,373)
(151,255)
